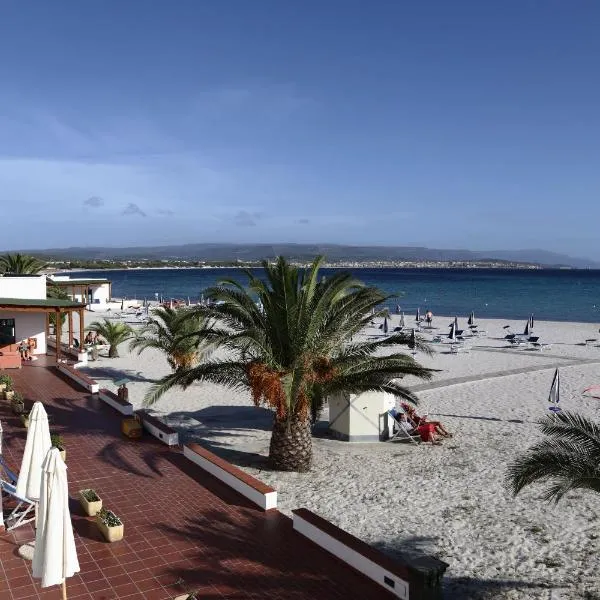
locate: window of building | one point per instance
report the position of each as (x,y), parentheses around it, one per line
(7,332)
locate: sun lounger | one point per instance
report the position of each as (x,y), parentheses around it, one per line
(397,433)
(456,348)
(6,473)
(590,341)
(22,513)
(540,346)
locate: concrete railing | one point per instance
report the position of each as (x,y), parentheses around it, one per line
(158,429)
(256,491)
(91,385)
(124,407)
(418,579)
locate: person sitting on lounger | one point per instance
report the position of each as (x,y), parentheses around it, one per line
(438,427)
(24,350)
(428,431)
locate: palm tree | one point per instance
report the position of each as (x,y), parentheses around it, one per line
(20,264)
(113,333)
(294,348)
(569,457)
(172,330)
(57,292)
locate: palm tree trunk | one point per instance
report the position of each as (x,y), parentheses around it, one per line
(291,446)
(113,351)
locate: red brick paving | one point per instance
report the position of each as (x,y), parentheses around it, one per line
(184,530)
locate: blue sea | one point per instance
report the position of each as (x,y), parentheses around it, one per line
(556,295)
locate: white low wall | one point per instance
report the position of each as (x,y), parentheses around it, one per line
(265,501)
(171,439)
(367,567)
(90,387)
(124,409)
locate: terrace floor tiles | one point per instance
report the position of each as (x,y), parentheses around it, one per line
(183,529)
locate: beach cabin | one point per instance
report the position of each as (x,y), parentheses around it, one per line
(360,417)
(96,291)
(25,313)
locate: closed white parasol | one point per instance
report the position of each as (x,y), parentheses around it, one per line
(54,557)
(36,447)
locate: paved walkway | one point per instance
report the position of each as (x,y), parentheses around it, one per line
(184,530)
(567,362)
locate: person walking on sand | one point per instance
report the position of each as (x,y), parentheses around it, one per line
(429,318)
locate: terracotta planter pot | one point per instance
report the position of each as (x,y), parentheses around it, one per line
(111,534)
(25,421)
(2,387)
(9,394)
(90,508)
(17,407)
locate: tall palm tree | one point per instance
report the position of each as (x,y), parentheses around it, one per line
(113,333)
(172,331)
(20,264)
(568,458)
(294,348)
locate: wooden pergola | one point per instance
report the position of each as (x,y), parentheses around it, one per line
(49,306)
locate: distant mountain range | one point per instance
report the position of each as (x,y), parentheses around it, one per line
(333,252)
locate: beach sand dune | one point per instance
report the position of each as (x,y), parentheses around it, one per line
(447,500)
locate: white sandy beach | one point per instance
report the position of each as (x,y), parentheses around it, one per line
(447,500)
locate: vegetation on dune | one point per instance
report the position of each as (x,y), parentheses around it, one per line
(568,458)
(294,348)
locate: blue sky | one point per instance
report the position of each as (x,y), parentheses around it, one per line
(462,124)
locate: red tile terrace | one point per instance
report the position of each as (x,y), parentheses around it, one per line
(184,529)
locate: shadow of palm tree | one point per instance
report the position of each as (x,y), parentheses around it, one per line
(115,374)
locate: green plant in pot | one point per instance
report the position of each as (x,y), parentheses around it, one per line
(6,383)
(17,403)
(8,387)
(110,525)
(25,420)
(57,442)
(90,501)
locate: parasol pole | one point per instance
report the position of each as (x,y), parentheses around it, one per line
(64,590)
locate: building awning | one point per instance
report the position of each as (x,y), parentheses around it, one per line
(39,305)
(76,282)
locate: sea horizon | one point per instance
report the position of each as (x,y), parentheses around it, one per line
(549,294)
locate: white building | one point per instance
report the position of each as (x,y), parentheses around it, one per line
(24,315)
(95,291)
(360,417)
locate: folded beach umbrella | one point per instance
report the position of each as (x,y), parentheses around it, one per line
(554,396)
(471,320)
(452,334)
(385,326)
(402,323)
(456,323)
(531,321)
(202,299)
(122,303)
(527,328)
(188,303)
(54,556)
(412,343)
(418,317)
(398,309)
(36,447)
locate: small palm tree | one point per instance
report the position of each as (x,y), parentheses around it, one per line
(172,331)
(294,348)
(569,457)
(113,333)
(20,264)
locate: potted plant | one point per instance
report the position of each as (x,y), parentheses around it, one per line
(25,420)
(91,502)
(8,387)
(110,525)
(16,402)
(6,383)
(57,442)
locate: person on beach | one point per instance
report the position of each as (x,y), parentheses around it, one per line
(422,420)
(429,318)
(89,338)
